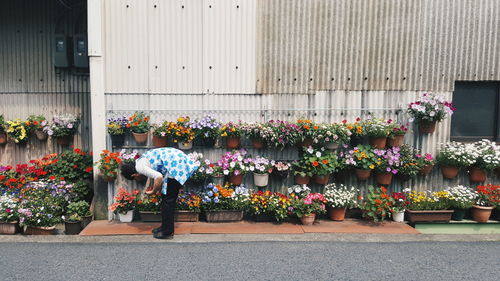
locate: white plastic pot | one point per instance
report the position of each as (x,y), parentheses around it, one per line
(127,217)
(398,217)
(260,180)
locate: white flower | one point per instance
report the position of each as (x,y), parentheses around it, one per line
(318,154)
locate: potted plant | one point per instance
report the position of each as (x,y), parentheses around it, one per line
(331,136)
(214,171)
(452,157)
(425,162)
(261,168)
(223,204)
(305,136)
(377,130)
(488,197)
(284,134)
(40,126)
(188,207)
(399,206)
(268,206)
(323,164)
(362,159)
(302,171)
(339,199)
(39,216)
(129,157)
(306,208)
(139,126)
(9,216)
(280,169)
(200,177)
(125,204)
(63,128)
(72,224)
(232,133)
(206,129)
(235,164)
(428,206)
(428,110)
(82,209)
(388,163)
(484,153)
(462,198)
(3,134)
(258,133)
(409,166)
(161,133)
(18,131)
(183,135)
(378,204)
(397,134)
(109,165)
(149,207)
(357,130)
(117,127)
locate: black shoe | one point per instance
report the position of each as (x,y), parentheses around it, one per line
(160,235)
(156,230)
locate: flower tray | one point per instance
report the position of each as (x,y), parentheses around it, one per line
(9,227)
(150,216)
(224,215)
(34,230)
(187,216)
(429,216)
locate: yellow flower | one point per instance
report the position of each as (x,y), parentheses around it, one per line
(371,166)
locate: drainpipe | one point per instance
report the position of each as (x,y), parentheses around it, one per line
(95,20)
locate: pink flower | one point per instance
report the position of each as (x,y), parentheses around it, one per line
(8,210)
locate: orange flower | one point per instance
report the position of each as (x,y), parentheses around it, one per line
(136,124)
(325,161)
(315,163)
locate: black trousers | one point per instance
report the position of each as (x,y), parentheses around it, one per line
(168,203)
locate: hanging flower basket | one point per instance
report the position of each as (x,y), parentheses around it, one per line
(396,141)
(140,138)
(449,172)
(481,213)
(41,135)
(9,227)
(302,179)
(224,215)
(186,216)
(426,127)
(208,142)
(236,179)
(324,179)
(384,178)
(233,142)
(426,170)
(117,140)
(477,175)
(260,180)
(362,175)
(377,142)
(39,230)
(160,141)
(64,140)
(308,220)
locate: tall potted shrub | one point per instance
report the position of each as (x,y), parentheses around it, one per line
(452,157)
(224,204)
(339,199)
(117,128)
(139,126)
(63,128)
(9,216)
(428,110)
(462,198)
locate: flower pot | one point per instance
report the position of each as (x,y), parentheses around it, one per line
(64,140)
(147,216)
(117,140)
(208,142)
(302,179)
(224,215)
(41,135)
(108,179)
(307,142)
(378,142)
(127,217)
(260,180)
(429,216)
(39,230)
(9,227)
(402,177)
(218,180)
(398,217)
(258,144)
(86,221)
(140,138)
(458,214)
(160,141)
(280,174)
(396,141)
(336,213)
(496,214)
(384,178)
(3,138)
(308,220)
(72,227)
(426,170)
(236,179)
(426,127)
(477,175)
(362,175)
(481,213)
(449,172)
(323,179)
(233,142)
(185,146)
(264,218)
(186,216)
(331,145)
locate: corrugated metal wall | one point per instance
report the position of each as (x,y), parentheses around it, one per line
(29,84)
(426,45)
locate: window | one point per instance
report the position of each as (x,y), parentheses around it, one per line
(477,114)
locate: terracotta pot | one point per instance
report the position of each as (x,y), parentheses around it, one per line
(9,227)
(322,179)
(186,216)
(236,179)
(233,142)
(378,143)
(117,140)
(72,227)
(160,141)
(362,175)
(64,141)
(481,213)
(185,146)
(429,216)
(41,135)
(396,141)
(384,178)
(308,220)
(224,215)
(336,214)
(258,144)
(260,180)
(150,216)
(477,175)
(426,127)
(3,138)
(307,142)
(449,172)
(426,170)
(302,180)
(35,230)
(140,138)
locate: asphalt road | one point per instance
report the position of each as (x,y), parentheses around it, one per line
(250,261)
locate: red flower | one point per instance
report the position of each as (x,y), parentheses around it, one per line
(75,166)
(88,169)
(52,177)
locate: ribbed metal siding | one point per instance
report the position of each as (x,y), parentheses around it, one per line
(29,84)
(377,45)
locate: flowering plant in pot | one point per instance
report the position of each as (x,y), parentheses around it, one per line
(222,203)
(397,134)
(148,206)
(39,215)
(357,129)
(409,165)
(269,206)
(308,207)
(201,175)
(235,164)
(117,128)
(331,136)
(339,198)
(261,168)
(188,207)
(72,224)
(73,165)
(462,198)
(377,130)
(215,171)
(488,197)
(428,206)
(285,134)
(425,162)
(206,129)
(161,133)
(9,216)
(388,164)
(323,163)
(129,157)
(258,133)
(429,109)
(452,157)
(40,126)
(485,154)
(109,165)
(399,206)
(63,128)
(125,204)
(232,132)
(183,134)
(307,134)
(139,126)
(298,191)
(281,168)
(378,204)
(362,159)
(302,170)
(82,209)
(18,131)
